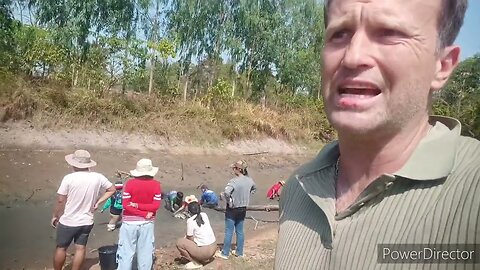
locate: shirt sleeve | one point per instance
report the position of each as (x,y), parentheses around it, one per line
(63,189)
(155,204)
(229,189)
(203,199)
(190,226)
(107,203)
(105,183)
(254,188)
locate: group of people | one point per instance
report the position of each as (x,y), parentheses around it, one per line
(176,203)
(78,197)
(199,246)
(135,203)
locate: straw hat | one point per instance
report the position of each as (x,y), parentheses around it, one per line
(190,199)
(144,167)
(80,159)
(241,164)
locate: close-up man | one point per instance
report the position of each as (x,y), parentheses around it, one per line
(396,174)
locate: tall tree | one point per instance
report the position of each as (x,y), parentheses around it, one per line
(7,32)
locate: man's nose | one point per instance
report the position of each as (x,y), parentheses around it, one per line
(358,53)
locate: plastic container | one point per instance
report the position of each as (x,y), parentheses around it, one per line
(107,256)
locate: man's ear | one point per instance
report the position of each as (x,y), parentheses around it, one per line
(447,61)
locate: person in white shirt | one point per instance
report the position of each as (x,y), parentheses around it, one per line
(199,244)
(77,197)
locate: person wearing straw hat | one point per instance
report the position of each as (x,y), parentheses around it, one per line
(78,196)
(141,200)
(182,212)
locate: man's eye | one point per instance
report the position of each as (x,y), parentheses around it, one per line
(340,35)
(389,33)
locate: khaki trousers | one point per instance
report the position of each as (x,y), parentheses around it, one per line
(192,252)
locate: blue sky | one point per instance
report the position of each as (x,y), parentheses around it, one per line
(469,37)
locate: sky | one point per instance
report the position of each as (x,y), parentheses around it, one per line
(469,36)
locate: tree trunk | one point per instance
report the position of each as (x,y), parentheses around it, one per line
(233,88)
(266,208)
(319,90)
(73,76)
(150,84)
(75,80)
(185,91)
(154,39)
(263,101)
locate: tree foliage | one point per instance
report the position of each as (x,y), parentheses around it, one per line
(214,52)
(461,96)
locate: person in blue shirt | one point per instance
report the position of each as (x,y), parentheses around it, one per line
(115,204)
(209,198)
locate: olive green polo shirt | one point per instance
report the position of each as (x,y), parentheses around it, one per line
(433,199)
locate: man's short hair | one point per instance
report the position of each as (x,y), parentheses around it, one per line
(450,20)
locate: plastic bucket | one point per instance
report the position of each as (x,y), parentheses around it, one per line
(107,256)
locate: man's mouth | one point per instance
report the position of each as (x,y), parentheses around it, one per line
(356,94)
(358,89)
(359,92)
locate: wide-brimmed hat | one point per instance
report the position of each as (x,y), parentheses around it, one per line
(144,167)
(190,199)
(241,164)
(282,182)
(80,159)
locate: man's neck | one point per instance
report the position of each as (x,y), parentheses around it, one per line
(364,158)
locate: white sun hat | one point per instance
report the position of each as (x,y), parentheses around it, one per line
(190,198)
(144,167)
(80,159)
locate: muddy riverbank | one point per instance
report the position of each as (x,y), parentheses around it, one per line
(30,175)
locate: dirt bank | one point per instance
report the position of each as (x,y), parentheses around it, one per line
(25,135)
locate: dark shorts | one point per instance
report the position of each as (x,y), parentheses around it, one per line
(237,214)
(65,235)
(115,211)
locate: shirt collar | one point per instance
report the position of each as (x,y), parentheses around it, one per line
(432,159)
(434,156)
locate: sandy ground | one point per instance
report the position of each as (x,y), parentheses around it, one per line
(32,166)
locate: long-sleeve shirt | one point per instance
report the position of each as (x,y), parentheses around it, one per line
(274,191)
(238,190)
(146,193)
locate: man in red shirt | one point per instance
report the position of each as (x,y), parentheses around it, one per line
(275,190)
(141,199)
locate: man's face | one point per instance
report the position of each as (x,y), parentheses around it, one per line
(379,62)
